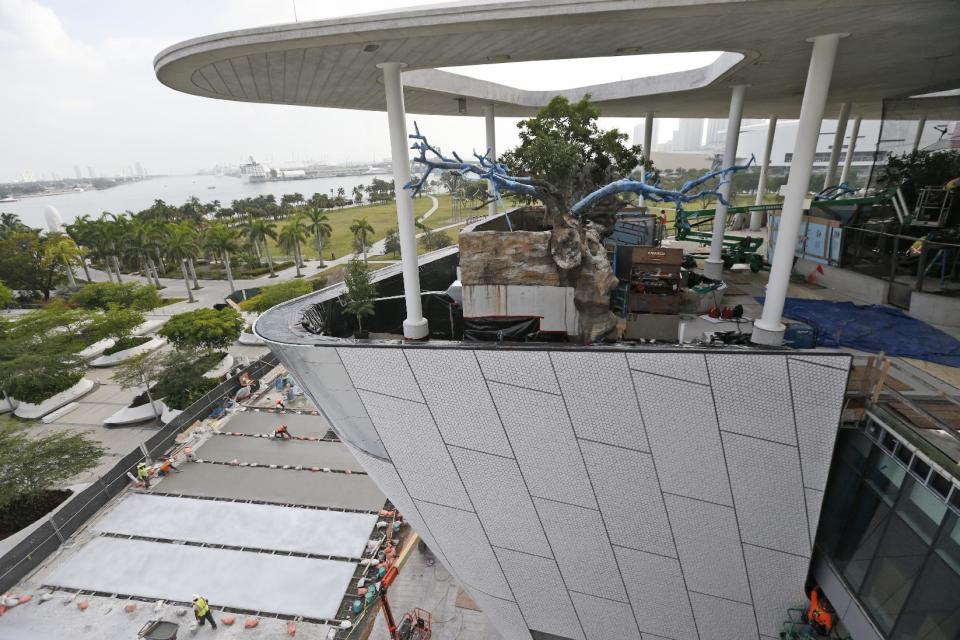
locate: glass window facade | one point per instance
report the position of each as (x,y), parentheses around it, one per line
(893,539)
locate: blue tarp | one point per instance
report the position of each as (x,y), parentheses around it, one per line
(874,328)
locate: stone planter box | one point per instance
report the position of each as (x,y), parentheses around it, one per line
(147,327)
(221,369)
(250,339)
(97,348)
(126,354)
(32,411)
(169,414)
(135,415)
(5,405)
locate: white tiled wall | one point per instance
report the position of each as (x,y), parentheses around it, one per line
(595,494)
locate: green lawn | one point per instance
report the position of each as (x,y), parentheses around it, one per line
(381,217)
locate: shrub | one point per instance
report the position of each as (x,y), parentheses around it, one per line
(273,295)
(40,376)
(126,343)
(117,322)
(31,464)
(361,292)
(100,295)
(187,394)
(203,329)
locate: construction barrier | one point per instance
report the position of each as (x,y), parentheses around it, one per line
(54,530)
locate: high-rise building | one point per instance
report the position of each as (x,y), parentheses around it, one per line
(654,136)
(688,137)
(76,172)
(91,173)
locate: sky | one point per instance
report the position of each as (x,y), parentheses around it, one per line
(79,89)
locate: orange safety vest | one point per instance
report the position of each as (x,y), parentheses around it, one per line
(818,615)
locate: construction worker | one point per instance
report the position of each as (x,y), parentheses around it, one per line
(820,614)
(143,474)
(166,466)
(201,610)
(282,433)
(280,405)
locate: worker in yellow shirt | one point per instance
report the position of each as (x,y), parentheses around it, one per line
(201,610)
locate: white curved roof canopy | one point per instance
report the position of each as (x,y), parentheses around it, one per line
(896,49)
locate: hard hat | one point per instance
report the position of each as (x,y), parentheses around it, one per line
(142,464)
(196,596)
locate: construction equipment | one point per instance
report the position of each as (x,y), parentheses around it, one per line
(736,249)
(415,625)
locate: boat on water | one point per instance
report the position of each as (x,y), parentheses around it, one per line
(253,171)
(8,199)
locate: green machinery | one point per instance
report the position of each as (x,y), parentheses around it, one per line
(736,249)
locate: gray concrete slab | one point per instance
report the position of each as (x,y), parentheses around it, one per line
(258,526)
(266,422)
(246,580)
(319,489)
(332,455)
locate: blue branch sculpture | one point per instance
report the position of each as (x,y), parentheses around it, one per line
(500,179)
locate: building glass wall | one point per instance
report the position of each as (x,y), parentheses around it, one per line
(891,536)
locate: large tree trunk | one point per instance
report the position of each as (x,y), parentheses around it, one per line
(266,249)
(116,266)
(193,273)
(156,276)
(186,280)
(226,264)
(296,259)
(71,281)
(106,267)
(86,269)
(320,250)
(163,265)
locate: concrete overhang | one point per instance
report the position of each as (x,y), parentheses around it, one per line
(894,50)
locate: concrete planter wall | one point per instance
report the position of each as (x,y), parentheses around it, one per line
(221,369)
(250,339)
(135,415)
(97,348)
(169,414)
(147,327)
(30,411)
(5,405)
(122,356)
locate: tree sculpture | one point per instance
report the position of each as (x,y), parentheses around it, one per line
(576,230)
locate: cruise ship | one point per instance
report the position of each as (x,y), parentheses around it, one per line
(253,171)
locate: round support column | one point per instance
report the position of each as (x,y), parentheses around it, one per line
(851,147)
(756,217)
(916,138)
(647,147)
(491,124)
(415,325)
(714,264)
(838,137)
(768,330)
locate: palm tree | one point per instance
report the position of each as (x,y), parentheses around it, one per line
(200,228)
(60,247)
(157,242)
(100,240)
(138,241)
(321,229)
(292,234)
(357,194)
(222,241)
(341,197)
(259,230)
(113,232)
(360,228)
(182,245)
(80,232)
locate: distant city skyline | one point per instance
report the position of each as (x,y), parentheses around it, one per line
(80,85)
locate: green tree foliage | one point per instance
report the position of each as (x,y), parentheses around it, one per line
(433,240)
(6,297)
(25,264)
(143,371)
(362,230)
(914,171)
(361,292)
(204,329)
(274,294)
(564,146)
(391,243)
(101,295)
(118,323)
(29,464)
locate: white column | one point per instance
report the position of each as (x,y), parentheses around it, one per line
(491,122)
(920,125)
(851,147)
(647,147)
(714,264)
(768,329)
(415,325)
(756,217)
(838,137)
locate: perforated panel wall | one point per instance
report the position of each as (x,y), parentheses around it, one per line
(586,494)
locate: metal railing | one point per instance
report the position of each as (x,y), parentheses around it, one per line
(905,261)
(54,530)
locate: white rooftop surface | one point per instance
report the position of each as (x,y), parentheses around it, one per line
(895,49)
(256,581)
(257,526)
